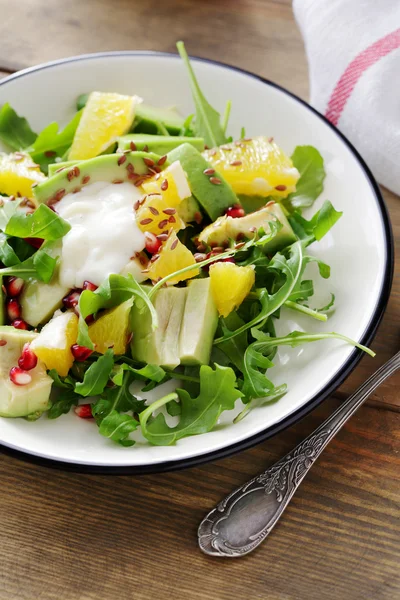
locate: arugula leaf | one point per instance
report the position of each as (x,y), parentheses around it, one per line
(152,372)
(273,396)
(117,426)
(292,269)
(82,101)
(43,223)
(228,108)
(187,130)
(52,143)
(107,412)
(310,164)
(234,348)
(317,227)
(113,291)
(40,266)
(97,375)
(207,123)
(7,209)
(218,392)
(44,265)
(15,130)
(7,254)
(65,400)
(258,358)
(64,383)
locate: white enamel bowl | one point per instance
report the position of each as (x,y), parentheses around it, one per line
(359,250)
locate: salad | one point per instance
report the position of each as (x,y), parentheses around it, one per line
(137,247)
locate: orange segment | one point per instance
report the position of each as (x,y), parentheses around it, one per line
(230,284)
(256,167)
(164,192)
(112,329)
(104,118)
(18,173)
(53,344)
(173,256)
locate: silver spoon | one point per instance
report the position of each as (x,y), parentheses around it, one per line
(243,519)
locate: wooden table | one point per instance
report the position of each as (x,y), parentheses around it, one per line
(66,536)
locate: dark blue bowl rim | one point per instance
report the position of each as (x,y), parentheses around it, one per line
(338,378)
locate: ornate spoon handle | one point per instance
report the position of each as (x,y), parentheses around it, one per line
(244,518)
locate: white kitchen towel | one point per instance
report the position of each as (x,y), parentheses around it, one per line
(353,51)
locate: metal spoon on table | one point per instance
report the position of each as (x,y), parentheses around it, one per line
(243,519)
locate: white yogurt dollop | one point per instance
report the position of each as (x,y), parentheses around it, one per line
(103,235)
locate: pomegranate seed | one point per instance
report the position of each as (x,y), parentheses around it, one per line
(13,309)
(84,411)
(35,242)
(72,299)
(14,286)
(235,211)
(88,285)
(152,243)
(19,324)
(27,360)
(20,377)
(80,353)
(89,319)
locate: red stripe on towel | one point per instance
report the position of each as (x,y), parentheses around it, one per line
(354,71)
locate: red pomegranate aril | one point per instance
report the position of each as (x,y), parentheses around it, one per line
(84,411)
(28,359)
(35,242)
(89,319)
(72,299)
(19,324)
(20,377)
(13,309)
(152,243)
(80,353)
(88,285)
(14,286)
(235,211)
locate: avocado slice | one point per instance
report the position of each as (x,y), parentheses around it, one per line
(21,401)
(226,228)
(159,347)
(108,167)
(214,198)
(160,144)
(39,300)
(148,118)
(188,209)
(55,167)
(199,324)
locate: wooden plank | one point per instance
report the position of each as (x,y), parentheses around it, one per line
(259,35)
(83,537)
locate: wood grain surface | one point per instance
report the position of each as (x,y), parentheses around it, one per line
(67,536)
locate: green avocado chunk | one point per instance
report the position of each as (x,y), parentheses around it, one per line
(161,346)
(188,209)
(15,400)
(56,167)
(148,120)
(215,197)
(39,300)
(108,167)
(199,324)
(226,228)
(188,319)
(160,144)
